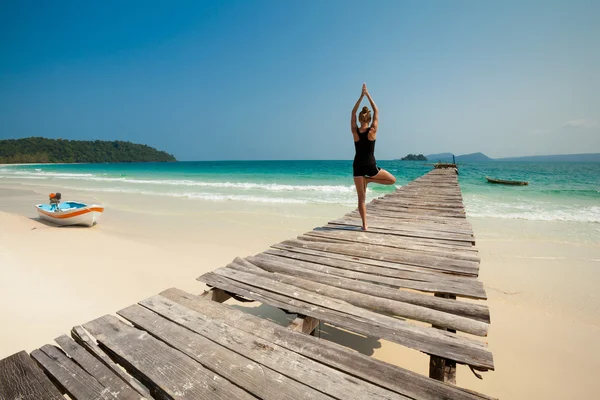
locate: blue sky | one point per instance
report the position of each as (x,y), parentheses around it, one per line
(277,79)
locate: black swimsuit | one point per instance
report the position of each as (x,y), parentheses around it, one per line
(364,161)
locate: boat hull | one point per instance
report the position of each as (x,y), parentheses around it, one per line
(88,215)
(503,182)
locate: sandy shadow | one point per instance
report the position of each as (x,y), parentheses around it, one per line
(265,311)
(355,341)
(51,225)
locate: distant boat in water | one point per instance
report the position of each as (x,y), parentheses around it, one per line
(505,182)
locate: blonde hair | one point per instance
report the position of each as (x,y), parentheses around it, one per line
(364,115)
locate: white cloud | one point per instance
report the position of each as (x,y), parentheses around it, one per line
(579,123)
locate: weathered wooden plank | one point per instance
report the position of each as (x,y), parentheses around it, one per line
(426,214)
(364,367)
(391,212)
(352,226)
(451,191)
(69,376)
(419,204)
(347,316)
(97,369)
(440,368)
(393,221)
(269,356)
(367,237)
(384,223)
(432,234)
(82,338)
(354,294)
(168,372)
(22,379)
(460,267)
(237,365)
(367,265)
(446,257)
(406,201)
(471,289)
(395,206)
(469,310)
(409,216)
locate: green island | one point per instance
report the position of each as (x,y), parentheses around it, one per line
(414,157)
(43,150)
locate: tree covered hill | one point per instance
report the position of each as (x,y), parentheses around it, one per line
(414,157)
(42,150)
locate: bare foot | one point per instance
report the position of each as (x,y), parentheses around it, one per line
(364,228)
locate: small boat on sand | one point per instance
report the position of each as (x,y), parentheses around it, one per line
(504,182)
(69,212)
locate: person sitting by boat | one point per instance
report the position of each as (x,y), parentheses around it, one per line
(55,201)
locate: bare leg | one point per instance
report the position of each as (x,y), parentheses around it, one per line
(361,186)
(383,177)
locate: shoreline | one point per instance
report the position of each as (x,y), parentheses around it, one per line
(540,285)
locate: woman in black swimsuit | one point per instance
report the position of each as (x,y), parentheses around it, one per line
(365,166)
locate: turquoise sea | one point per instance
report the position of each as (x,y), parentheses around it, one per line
(557,191)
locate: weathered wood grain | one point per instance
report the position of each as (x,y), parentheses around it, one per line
(440,368)
(360,264)
(354,294)
(471,289)
(389,241)
(469,310)
(168,372)
(94,367)
(237,366)
(22,379)
(364,367)
(413,217)
(268,355)
(356,319)
(413,209)
(451,266)
(83,339)
(71,377)
(353,223)
(399,223)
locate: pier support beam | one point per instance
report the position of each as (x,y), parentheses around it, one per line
(215,294)
(443,369)
(303,324)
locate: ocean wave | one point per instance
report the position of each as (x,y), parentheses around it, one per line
(206,196)
(532,211)
(571,192)
(39,174)
(271,187)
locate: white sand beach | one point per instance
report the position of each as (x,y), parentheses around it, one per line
(541,282)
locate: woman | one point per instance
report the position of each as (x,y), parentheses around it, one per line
(364,166)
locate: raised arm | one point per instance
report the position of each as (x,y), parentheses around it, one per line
(375,111)
(353,126)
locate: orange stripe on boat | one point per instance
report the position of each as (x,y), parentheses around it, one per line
(69,215)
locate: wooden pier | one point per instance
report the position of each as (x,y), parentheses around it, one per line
(413,264)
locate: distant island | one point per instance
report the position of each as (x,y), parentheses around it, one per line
(414,157)
(42,150)
(480,157)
